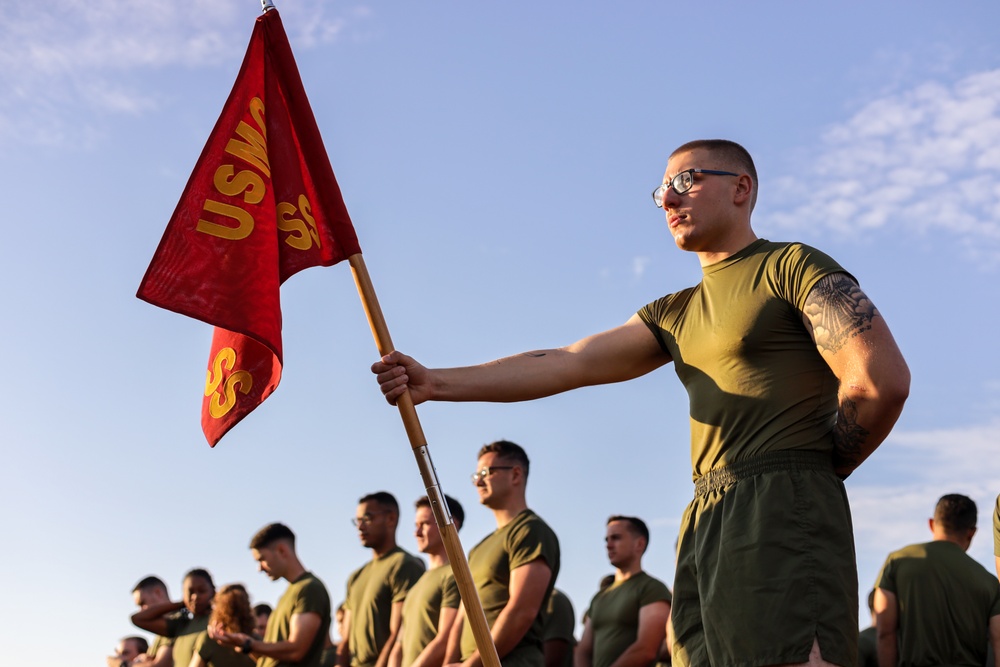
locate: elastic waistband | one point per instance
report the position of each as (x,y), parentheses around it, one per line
(714,480)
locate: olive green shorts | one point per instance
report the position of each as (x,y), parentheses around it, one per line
(765,564)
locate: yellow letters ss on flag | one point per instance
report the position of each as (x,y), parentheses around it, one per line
(261,204)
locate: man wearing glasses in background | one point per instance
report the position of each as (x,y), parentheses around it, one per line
(793,379)
(514,567)
(373,610)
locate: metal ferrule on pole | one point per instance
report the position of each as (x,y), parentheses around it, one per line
(266,5)
(442,513)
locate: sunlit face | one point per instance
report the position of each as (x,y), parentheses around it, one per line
(495,487)
(146,597)
(427,533)
(198,595)
(375,525)
(268,561)
(701,216)
(622,544)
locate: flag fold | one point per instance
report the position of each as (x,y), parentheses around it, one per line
(261,205)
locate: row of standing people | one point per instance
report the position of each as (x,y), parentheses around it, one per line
(932,604)
(399,613)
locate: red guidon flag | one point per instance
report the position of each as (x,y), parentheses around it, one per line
(261,205)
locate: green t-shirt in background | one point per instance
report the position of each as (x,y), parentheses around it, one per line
(559,623)
(434,591)
(371,592)
(216,655)
(184,630)
(614,614)
(946,600)
(305,595)
(525,539)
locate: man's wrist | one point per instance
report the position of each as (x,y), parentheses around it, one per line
(247,647)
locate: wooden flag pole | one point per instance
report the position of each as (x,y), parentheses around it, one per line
(418,443)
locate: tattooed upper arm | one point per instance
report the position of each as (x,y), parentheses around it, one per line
(837,310)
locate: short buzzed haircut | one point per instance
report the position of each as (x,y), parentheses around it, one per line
(508,451)
(957,513)
(262,609)
(731,155)
(150,582)
(270,534)
(454,507)
(636,525)
(141,645)
(383,498)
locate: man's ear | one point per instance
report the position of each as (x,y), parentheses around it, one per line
(743,192)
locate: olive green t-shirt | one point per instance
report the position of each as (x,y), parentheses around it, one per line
(305,595)
(371,592)
(996,528)
(525,539)
(158,643)
(184,630)
(558,624)
(434,591)
(614,614)
(755,381)
(946,600)
(216,655)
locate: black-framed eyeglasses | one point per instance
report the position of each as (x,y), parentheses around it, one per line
(683,182)
(364,519)
(487,471)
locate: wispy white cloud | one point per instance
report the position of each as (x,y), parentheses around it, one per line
(72,63)
(639,265)
(923,161)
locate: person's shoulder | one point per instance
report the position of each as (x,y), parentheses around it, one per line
(309,581)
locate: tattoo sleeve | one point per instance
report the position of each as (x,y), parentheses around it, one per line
(848,436)
(838,310)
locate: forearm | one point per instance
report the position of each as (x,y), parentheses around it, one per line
(582,657)
(511,626)
(522,377)
(153,618)
(636,655)
(887,650)
(281,651)
(865,418)
(433,654)
(383,656)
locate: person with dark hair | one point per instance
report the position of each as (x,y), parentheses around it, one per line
(432,604)
(129,650)
(300,622)
(230,613)
(514,567)
(626,623)
(373,610)
(868,638)
(934,604)
(150,591)
(261,612)
(198,592)
(793,379)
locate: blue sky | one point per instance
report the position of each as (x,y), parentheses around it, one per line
(497,162)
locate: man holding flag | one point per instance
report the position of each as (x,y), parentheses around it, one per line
(793,378)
